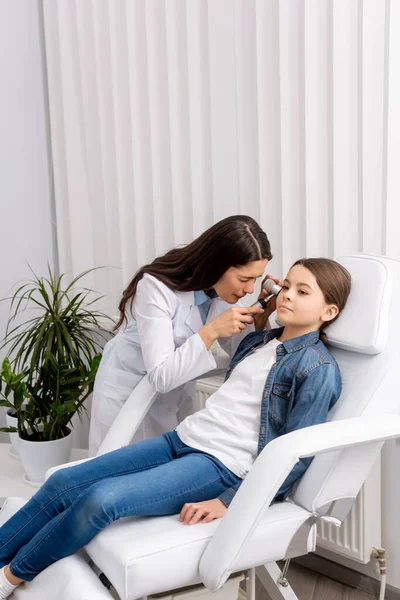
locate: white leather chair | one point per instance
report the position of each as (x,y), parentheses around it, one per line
(146,556)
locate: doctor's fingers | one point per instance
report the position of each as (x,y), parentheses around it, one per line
(241,322)
(244,319)
(246,310)
(264,292)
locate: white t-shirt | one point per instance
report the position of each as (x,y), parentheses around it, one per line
(229,425)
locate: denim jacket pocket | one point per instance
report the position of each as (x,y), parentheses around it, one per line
(281,393)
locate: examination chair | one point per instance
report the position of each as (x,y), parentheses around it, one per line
(158,555)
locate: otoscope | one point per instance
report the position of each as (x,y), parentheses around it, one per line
(271,287)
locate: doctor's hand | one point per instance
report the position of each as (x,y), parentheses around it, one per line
(232,321)
(207,511)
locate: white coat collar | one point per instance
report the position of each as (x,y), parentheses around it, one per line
(193,320)
(185,298)
(188,299)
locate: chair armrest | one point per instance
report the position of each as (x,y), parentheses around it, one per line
(129,417)
(268,473)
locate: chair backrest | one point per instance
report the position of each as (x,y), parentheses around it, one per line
(364,341)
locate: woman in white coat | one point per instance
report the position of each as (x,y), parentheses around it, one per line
(170,315)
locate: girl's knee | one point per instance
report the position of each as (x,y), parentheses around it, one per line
(99,503)
(61,486)
(59,479)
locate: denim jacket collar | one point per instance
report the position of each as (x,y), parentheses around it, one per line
(294,344)
(300,342)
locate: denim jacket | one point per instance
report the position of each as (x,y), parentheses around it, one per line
(302,386)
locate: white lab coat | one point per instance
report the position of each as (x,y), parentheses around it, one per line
(161,339)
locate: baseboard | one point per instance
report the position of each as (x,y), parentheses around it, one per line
(346,576)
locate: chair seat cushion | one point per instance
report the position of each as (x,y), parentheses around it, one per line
(143,556)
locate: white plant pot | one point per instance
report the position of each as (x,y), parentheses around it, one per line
(39,457)
(14,439)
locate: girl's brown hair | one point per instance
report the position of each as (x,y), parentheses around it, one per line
(234,241)
(333,280)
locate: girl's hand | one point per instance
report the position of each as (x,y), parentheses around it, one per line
(207,511)
(232,321)
(260,321)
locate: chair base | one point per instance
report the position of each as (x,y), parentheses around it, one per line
(269,576)
(229,591)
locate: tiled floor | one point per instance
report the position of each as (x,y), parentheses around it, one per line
(309,585)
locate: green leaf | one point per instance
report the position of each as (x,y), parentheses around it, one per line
(94,365)
(6,369)
(19,397)
(46,431)
(6,403)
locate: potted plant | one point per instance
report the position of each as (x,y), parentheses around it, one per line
(52,360)
(14,387)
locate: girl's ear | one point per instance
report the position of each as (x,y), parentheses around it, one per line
(330,312)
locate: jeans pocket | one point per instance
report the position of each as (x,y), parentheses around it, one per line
(178,446)
(281,393)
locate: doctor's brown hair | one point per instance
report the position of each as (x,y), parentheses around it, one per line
(333,280)
(232,242)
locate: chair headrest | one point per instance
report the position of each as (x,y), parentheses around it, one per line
(363,325)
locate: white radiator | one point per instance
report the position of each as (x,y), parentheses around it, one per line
(361,530)
(204,389)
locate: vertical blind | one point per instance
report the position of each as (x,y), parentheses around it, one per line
(168,115)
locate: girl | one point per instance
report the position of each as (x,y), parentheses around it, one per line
(170,315)
(278,381)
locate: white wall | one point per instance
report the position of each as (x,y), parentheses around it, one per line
(25,189)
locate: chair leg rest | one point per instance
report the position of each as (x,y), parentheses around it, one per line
(269,575)
(68,579)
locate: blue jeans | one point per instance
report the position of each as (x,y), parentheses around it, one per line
(149,478)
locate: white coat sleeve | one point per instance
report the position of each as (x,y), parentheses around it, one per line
(167,366)
(231,344)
